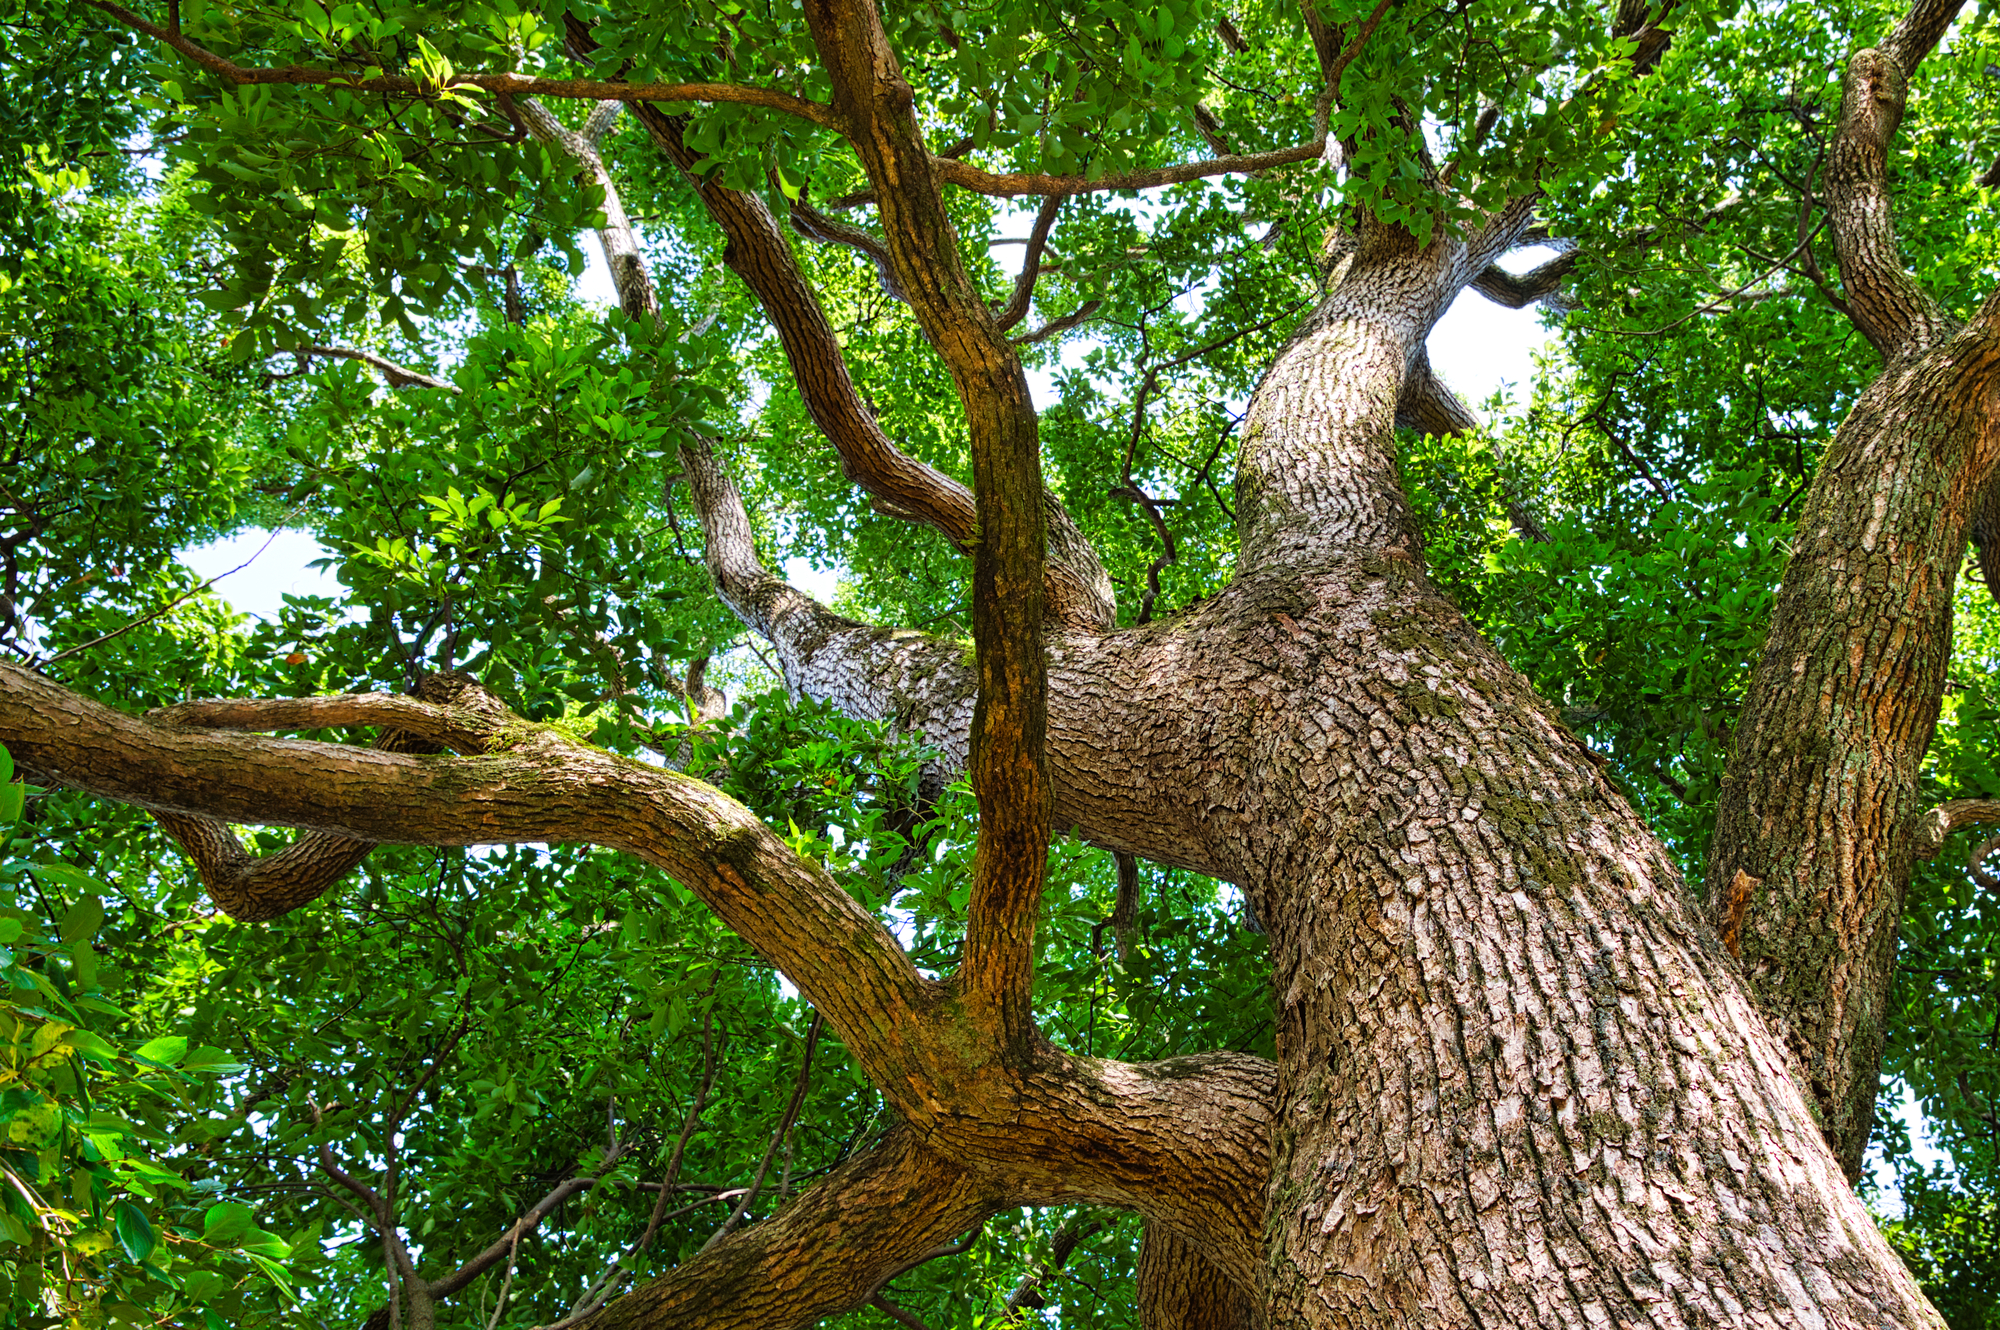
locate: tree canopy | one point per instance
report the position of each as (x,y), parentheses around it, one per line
(623,938)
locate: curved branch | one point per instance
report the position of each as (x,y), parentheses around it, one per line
(457,715)
(1079,593)
(518,85)
(1884,301)
(1016,307)
(826,1252)
(1057,326)
(1519,290)
(539,785)
(815,225)
(1936,826)
(1010,184)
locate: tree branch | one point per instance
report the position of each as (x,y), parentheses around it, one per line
(1427,404)
(1077,588)
(1016,307)
(456,714)
(1009,765)
(826,1252)
(629,274)
(1519,290)
(518,85)
(399,376)
(783,1130)
(1884,301)
(1011,184)
(1936,826)
(1057,326)
(1027,1295)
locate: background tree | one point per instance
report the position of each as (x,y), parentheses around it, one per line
(1508,1074)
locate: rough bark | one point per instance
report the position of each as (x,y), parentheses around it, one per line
(1178,1290)
(1819,803)
(1814,826)
(1520,1082)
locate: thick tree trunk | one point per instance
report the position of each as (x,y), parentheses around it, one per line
(1813,837)
(1814,828)
(1520,1083)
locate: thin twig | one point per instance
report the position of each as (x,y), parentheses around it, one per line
(784,1129)
(170,605)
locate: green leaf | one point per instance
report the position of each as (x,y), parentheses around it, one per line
(225,1223)
(82,920)
(135,1231)
(168,1050)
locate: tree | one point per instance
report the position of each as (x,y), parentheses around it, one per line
(1520,1074)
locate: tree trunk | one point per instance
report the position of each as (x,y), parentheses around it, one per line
(1519,1081)
(1813,837)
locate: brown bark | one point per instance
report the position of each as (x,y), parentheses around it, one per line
(1818,812)
(1815,822)
(1520,1081)
(1178,1290)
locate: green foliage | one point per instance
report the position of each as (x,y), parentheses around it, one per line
(103,1219)
(471,1023)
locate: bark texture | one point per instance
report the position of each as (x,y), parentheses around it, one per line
(1521,1083)
(1818,814)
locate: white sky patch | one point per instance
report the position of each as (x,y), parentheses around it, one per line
(1478,347)
(279,570)
(818,583)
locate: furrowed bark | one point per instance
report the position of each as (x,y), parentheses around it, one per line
(1008,765)
(827,1251)
(1817,816)
(1817,813)
(1520,1083)
(1344,369)
(253,888)
(1178,1290)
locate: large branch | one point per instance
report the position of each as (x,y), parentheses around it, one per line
(517,85)
(254,888)
(1185,1142)
(1884,301)
(1009,764)
(1519,290)
(531,784)
(826,1252)
(1821,796)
